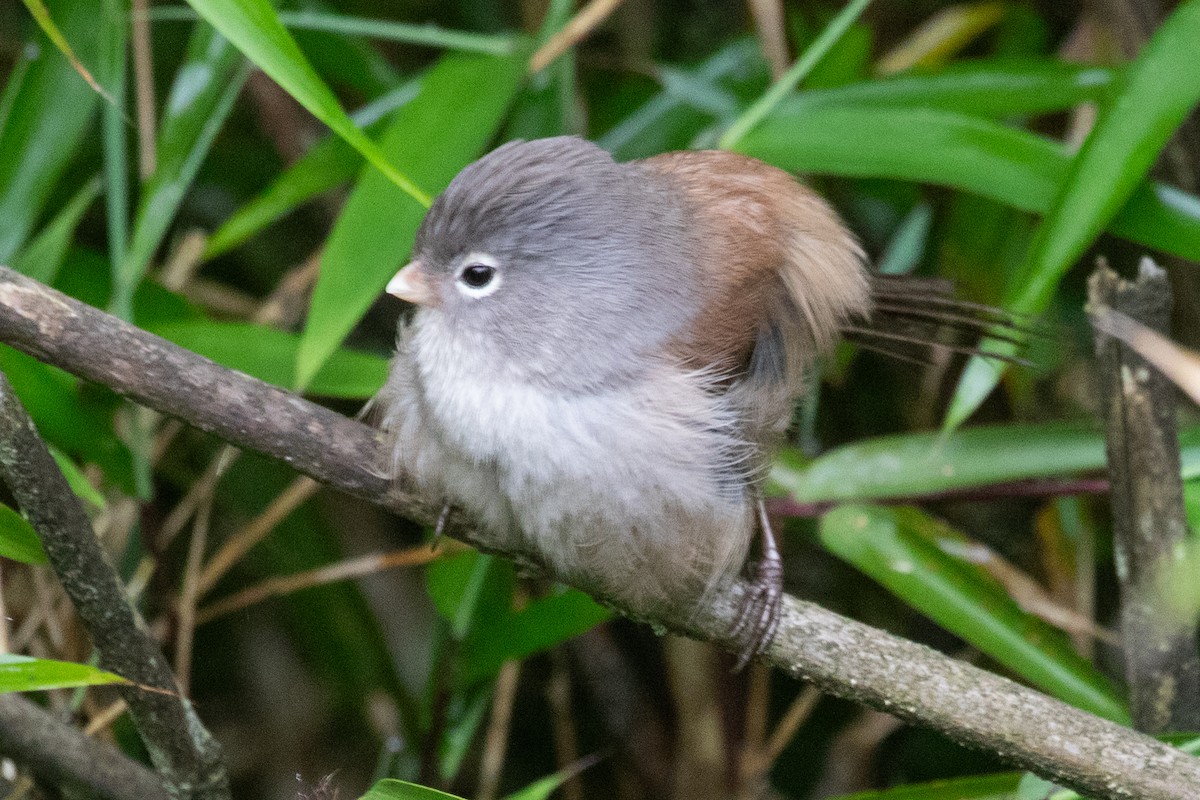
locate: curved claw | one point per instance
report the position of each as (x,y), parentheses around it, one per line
(758,618)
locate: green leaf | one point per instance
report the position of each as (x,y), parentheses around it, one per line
(474,592)
(989,88)
(44,256)
(329,163)
(78,482)
(25,674)
(542,789)
(545,623)
(906,552)
(45,111)
(201,97)
(1013,167)
(391,789)
(404,32)
(1158,91)
(254,27)
(908,244)
(811,56)
(977,787)
(912,464)
(18,540)
(111,73)
(456,113)
(672,114)
(270,355)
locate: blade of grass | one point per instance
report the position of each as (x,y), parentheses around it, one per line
(255,29)
(624,139)
(942,35)
(328,164)
(384,30)
(200,100)
(81,428)
(1159,89)
(47,115)
(268,354)
(899,549)
(455,115)
(1014,167)
(981,787)
(990,88)
(116,178)
(45,21)
(44,255)
(25,674)
(912,464)
(788,83)
(392,789)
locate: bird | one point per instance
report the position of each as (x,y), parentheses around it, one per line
(605,356)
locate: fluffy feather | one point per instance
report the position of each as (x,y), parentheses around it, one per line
(612,405)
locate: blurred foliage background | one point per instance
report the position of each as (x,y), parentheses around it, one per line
(190,193)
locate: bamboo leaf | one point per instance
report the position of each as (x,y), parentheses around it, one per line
(899,548)
(46,110)
(18,540)
(254,27)
(1158,91)
(25,674)
(200,100)
(391,789)
(44,256)
(328,164)
(1013,167)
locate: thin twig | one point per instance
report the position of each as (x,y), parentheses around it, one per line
(1035,487)
(840,656)
(575,31)
(343,570)
(188,596)
(105,717)
(566,743)
(772,36)
(758,696)
(255,531)
(495,741)
(143,78)
(800,710)
(199,493)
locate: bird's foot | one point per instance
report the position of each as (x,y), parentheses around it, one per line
(758,616)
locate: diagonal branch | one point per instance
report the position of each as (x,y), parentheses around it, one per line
(58,753)
(1026,728)
(184,752)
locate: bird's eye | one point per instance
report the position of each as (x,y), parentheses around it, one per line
(477,276)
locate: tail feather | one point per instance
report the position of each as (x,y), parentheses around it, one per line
(911,317)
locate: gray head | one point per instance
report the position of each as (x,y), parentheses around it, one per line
(572,267)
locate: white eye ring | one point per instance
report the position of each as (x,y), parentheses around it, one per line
(474,267)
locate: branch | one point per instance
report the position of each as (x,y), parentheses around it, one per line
(1149,525)
(977,708)
(59,753)
(183,751)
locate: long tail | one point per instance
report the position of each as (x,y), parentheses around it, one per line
(912,318)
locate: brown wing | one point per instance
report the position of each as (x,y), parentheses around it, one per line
(790,275)
(785,258)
